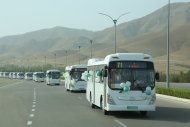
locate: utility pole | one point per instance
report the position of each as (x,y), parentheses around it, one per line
(168,48)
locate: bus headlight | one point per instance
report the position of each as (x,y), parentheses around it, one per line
(110,100)
(153,99)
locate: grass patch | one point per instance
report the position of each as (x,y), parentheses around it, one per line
(181,93)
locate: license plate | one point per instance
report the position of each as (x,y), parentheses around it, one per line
(132,107)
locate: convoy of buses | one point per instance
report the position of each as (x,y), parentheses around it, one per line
(118,82)
(52,77)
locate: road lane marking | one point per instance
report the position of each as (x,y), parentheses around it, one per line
(120,123)
(29,123)
(33,107)
(31,115)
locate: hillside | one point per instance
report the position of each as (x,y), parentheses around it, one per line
(147,34)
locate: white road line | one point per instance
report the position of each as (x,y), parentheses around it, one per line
(33,107)
(29,123)
(31,115)
(34,92)
(120,123)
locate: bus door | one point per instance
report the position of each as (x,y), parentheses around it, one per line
(93,85)
(105,81)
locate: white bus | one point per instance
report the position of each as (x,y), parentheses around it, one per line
(20,75)
(28,76)
(39,76)
(53,77)
(122,82)
(73,81)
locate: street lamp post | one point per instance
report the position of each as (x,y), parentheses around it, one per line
(45,64)
(91,48)
(115,23)
(168,47)
(66,57)
(79,54)
(55,59)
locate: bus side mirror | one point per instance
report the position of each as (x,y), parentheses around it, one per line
(104,73)
(157,76)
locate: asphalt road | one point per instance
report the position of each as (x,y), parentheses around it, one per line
(26,103)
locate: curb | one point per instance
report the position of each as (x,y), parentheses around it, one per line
(187,101)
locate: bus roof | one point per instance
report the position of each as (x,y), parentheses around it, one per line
(67,68)
(28,72)
(79,66)
(120,57)
(39,72)
(53,70)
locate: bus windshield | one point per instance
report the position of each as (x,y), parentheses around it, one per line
(139,78)
(29,75)
(40,75)
(77,73)
(54,75)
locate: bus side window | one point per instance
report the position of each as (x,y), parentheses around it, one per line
(48,75)
(99,76)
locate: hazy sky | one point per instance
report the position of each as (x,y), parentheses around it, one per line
(21,16)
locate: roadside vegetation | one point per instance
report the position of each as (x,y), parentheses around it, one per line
(15,68)
(182,77)
(173,92)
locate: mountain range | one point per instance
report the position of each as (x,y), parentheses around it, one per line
(147,34)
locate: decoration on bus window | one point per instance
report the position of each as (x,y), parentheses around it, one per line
(85,75)
(88,75)
(126,86)
(98,74)
(66,74)
(148,90)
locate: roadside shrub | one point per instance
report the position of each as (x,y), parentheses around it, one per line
(173,92)
(178,78)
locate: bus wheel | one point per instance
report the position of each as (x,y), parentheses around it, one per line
(91,104)
(102,107)
(143,113)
